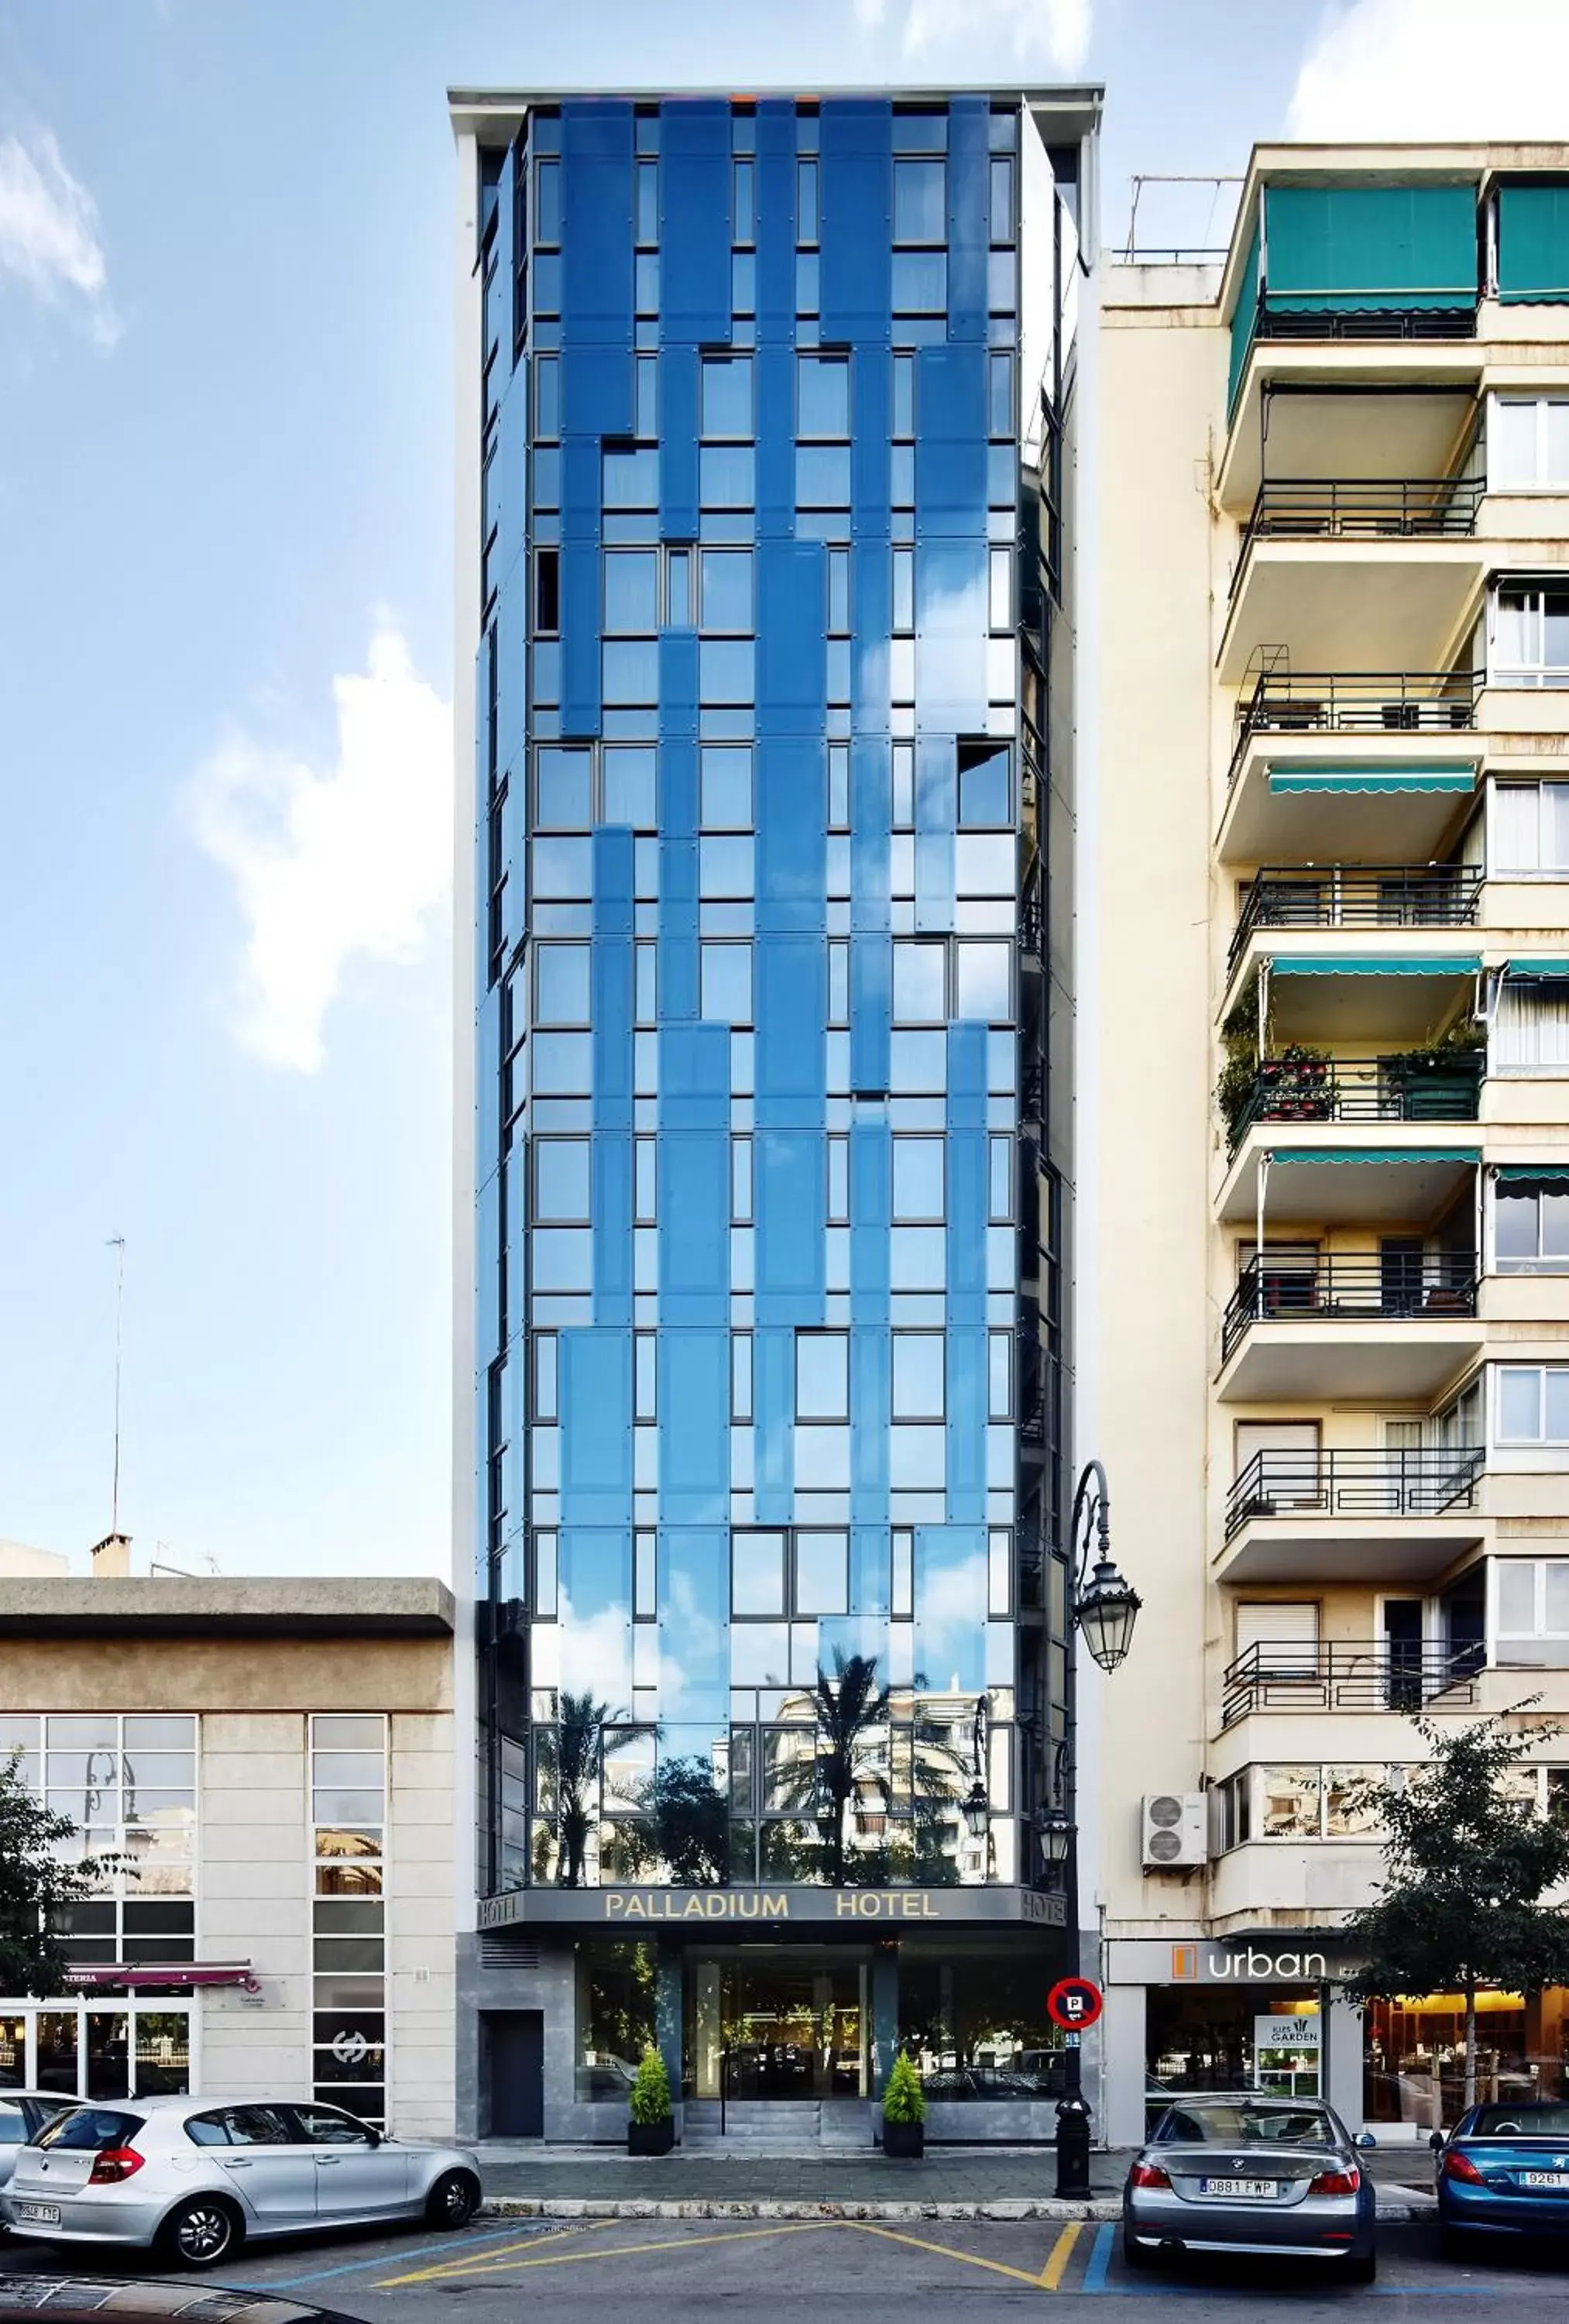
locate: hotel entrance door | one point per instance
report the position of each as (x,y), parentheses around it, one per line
(780,2028)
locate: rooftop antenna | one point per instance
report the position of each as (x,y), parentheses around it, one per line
(117,1243)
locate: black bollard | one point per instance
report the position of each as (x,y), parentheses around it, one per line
(1072,2146)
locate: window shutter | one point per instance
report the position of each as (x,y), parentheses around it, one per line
(1286,1635)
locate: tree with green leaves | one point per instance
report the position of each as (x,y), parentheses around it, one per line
(1467,1863)
(38,1887)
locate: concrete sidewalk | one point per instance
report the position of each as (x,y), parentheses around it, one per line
(950,2183)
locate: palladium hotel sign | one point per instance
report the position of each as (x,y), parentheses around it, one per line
(659,1907)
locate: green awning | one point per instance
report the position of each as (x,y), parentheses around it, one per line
(1381,965)
(1550,972)
(1532,244)
(1373,1153)
(1283,777)
(1350,245)
(1531,1174)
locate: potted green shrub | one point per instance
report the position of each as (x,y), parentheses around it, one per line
(904,2112)
(652,2127)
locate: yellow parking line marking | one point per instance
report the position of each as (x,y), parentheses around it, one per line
(457,2266)
(943,2251)
(1055,2266)
(496,2266)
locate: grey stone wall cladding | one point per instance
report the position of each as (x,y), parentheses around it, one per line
(549,1986)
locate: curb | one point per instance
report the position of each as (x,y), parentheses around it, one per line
(1409,2205)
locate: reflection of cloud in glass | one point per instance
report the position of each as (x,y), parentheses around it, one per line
(596,1651)
(950,1608)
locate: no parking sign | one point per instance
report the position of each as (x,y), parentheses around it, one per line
(1074,2003)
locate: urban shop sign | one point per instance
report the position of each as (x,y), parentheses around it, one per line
(1147,1960)
(642,1908)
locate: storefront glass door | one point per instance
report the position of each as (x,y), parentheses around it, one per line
(785,2030)
(130,2049)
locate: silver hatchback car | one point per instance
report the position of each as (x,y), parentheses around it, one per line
(1246,2172)
(195,2178)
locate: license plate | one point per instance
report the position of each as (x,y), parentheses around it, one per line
(1250,2189)
(1545,2179)
(41,2215)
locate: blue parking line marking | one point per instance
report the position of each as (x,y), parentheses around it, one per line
(1099,2261)
(419,2251)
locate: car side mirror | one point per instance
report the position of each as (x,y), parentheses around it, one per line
(1436,2140)
(1365,2138)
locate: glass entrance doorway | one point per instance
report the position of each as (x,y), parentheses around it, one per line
(782,2028)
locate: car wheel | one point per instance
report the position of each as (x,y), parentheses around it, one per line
(1363,2270)
(1133,2253)
(201,2232)
(453,2200)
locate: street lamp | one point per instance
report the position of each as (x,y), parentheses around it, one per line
(1103,1608)
(978,1810)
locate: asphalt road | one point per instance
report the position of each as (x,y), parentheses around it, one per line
(658,2272)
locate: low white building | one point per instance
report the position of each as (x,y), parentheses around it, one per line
(271,1760)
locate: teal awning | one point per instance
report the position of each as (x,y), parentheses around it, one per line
(1245,314)
(1531,1174)
(1374,1154)
(1381,965)
(1350,247)
(1551,972)
(1284,777)
(1532,244)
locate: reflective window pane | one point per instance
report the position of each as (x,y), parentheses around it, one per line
(758,1573)
(920,979)
(821,1573)
(563,792)
(727,787)
(561,1180)
(727,395)
(918,1375)
(630,786)
(561,985)
(726,599)
(919,201)
(918,1178)
(822,1375)
(824,396)
(631,590)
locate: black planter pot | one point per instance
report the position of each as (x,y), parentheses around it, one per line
(905,2141)
(651,2137)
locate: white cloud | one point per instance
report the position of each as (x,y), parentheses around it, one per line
(49,230)
(331,862)
(1436,69)
(1055,31)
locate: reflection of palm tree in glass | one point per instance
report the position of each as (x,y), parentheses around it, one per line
(689,1817)
(849,1778)
(579,1755)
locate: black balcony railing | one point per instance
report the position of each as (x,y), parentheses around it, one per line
(1426,1481)
(1357,896)
(1392,1286)
(1357,702)
(1410,1085)
(1032,916)
(1349,1675)
(1274,320)
(1361,508)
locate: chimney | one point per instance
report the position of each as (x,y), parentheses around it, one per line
(112,1558)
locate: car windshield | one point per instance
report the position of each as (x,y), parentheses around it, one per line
(1230,2122)
(1520,2121)
(90,2130)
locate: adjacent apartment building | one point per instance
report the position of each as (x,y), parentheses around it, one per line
(1324,1278)
(768,410)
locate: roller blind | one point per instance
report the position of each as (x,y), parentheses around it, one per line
(1286,1635)
(1342,247)
(1532,244)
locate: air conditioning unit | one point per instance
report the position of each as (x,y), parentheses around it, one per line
(1175,1833)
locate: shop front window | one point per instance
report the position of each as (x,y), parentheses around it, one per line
(615,2018)
(1221,2037)
(1415,2054)
(976,2027)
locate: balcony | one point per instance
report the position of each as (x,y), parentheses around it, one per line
(1387,800)
(1394,1323)
(1363,1514)
(1283,701)
(1349,1675)
(1350,1170)
(1410,1085)
(1356,896)
(1361,508)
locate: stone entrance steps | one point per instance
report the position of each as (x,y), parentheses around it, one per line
(778,2126)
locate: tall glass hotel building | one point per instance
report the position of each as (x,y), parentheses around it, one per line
(765,423)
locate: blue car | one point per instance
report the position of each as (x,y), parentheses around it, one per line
(1503,2170)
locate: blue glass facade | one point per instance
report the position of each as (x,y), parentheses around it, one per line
(768,1348)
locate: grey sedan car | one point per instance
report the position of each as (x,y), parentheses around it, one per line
(1250,2172)
(22,2115)
(193,2179)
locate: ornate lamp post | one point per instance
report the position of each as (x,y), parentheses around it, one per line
(1103,1608)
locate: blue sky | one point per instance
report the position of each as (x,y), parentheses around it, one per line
(225,655)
